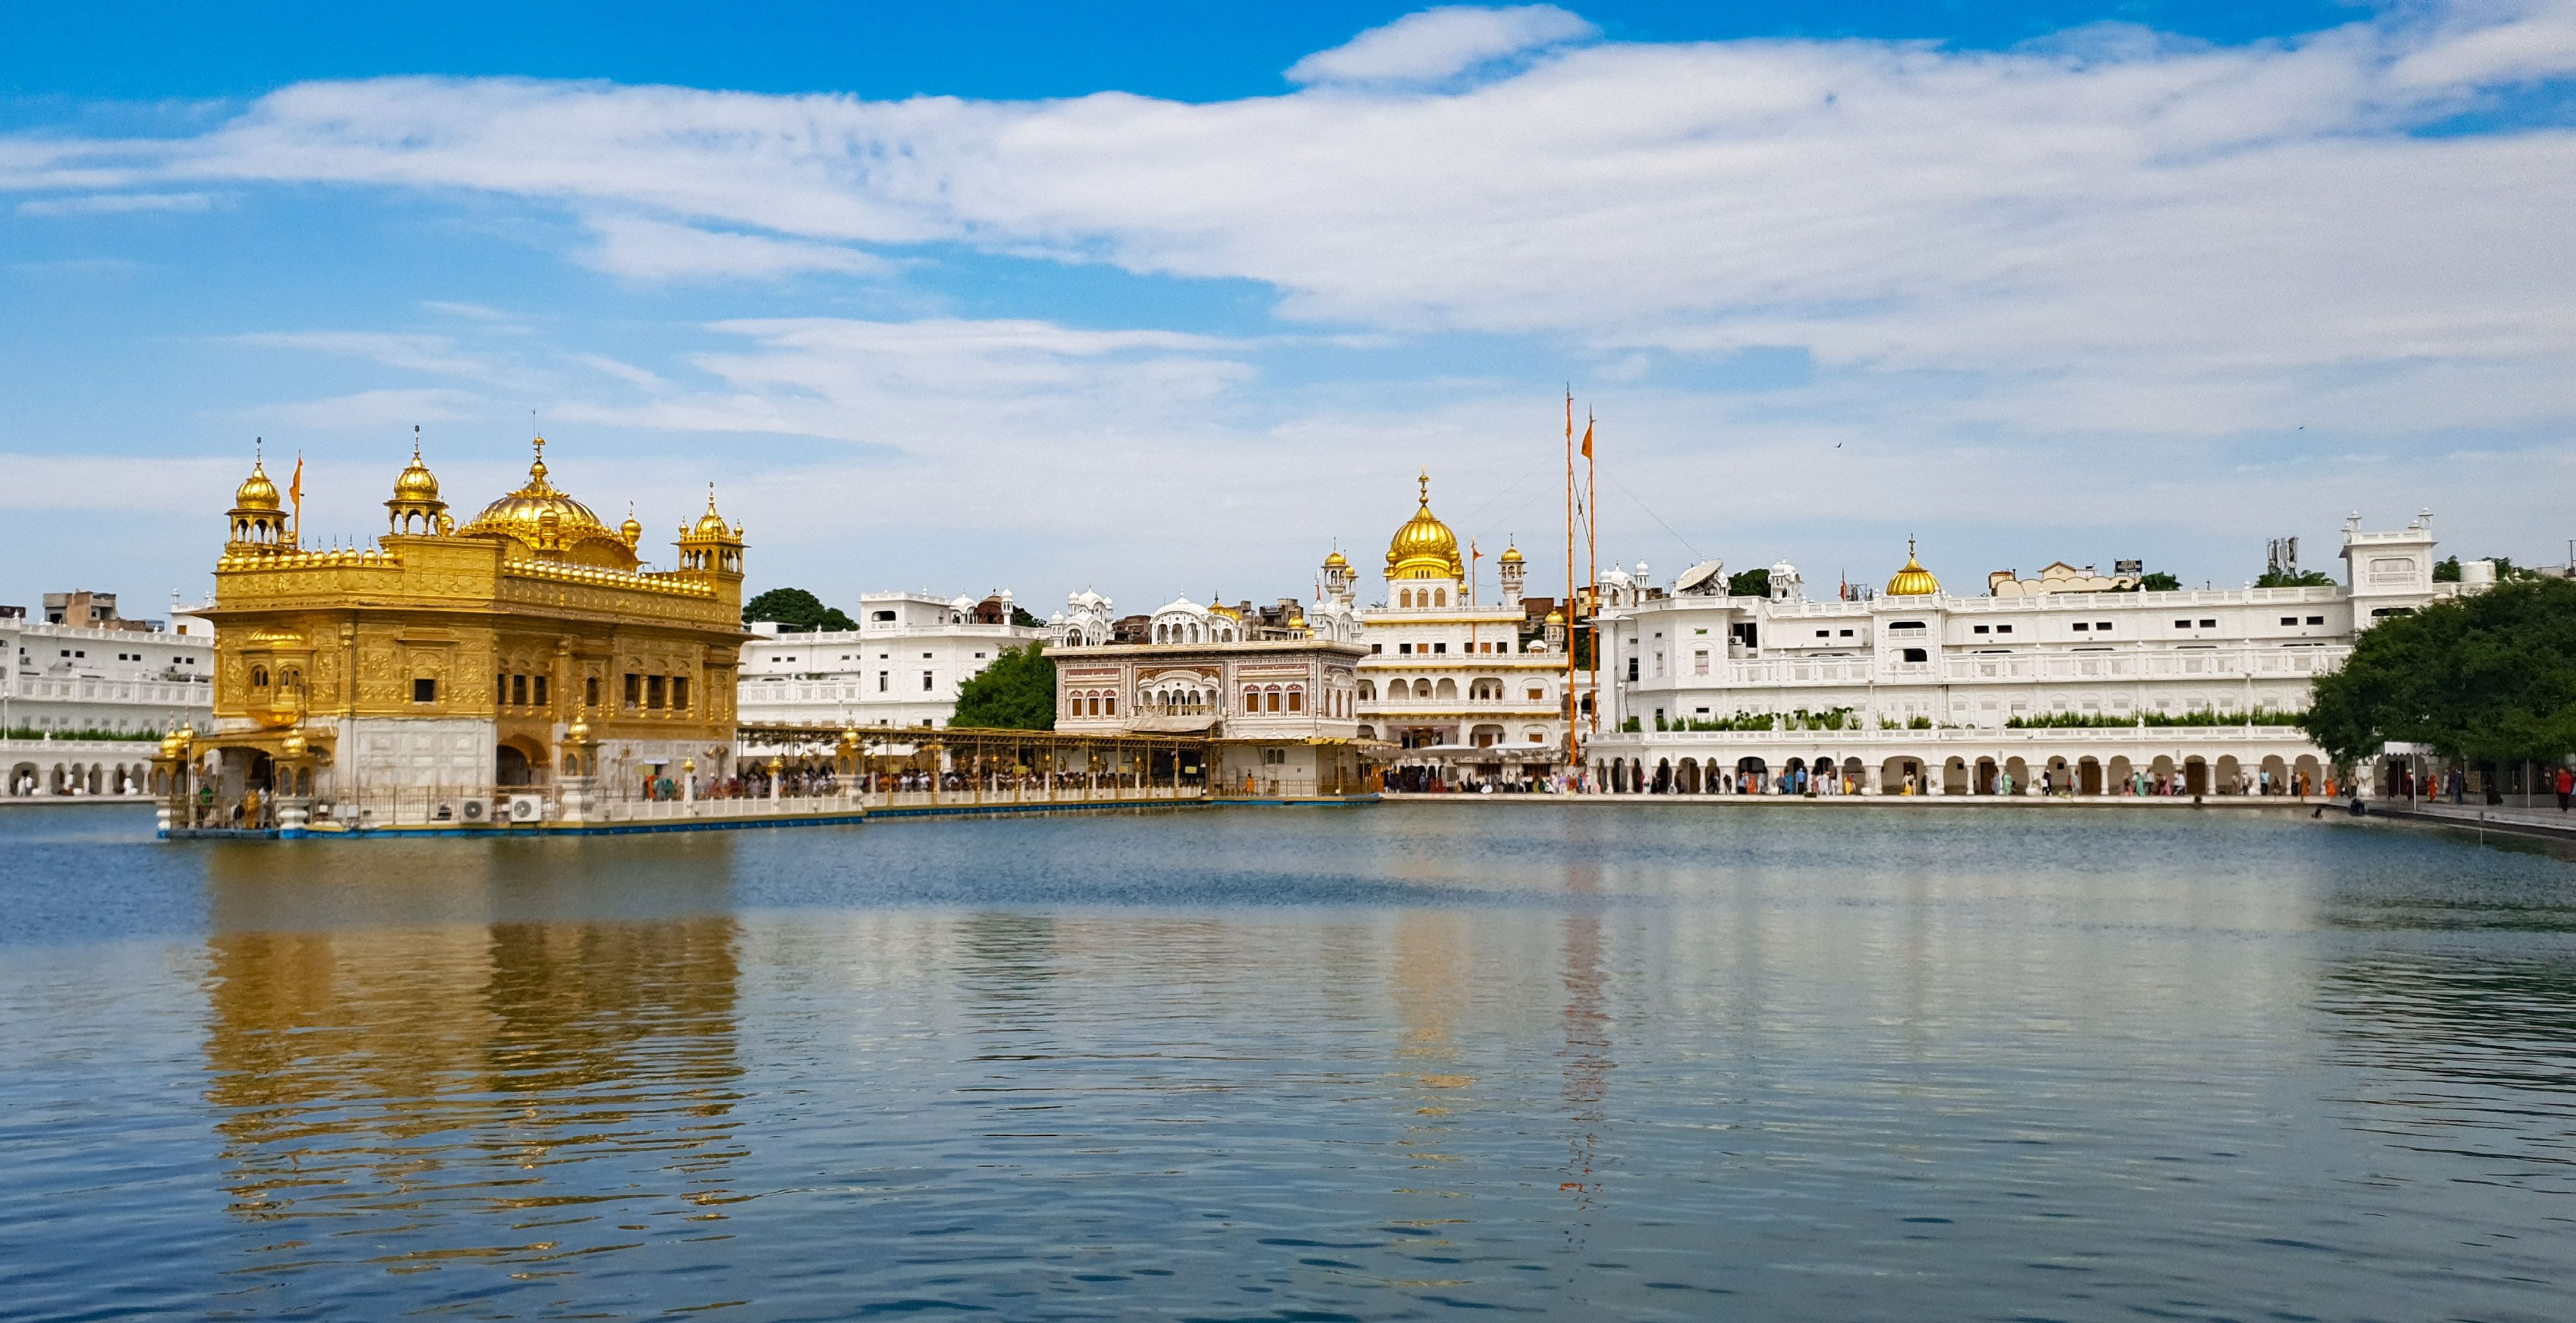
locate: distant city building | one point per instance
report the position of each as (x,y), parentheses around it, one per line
(2058,578)
(83,609)
(901,667)
(2089,688)
(68,692)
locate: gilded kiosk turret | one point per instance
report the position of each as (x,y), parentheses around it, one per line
(437,675)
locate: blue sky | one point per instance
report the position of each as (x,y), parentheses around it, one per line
(1170,298)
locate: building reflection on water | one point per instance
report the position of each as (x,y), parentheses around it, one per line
(526,1088)
(2462,1055)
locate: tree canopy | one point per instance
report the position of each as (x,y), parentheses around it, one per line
(1749,583)
(2158,581)
(795,609)
(2486,678)
(2302,579)
(1016,692)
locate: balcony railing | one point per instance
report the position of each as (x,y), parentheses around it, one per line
(163,693)
(2052,736)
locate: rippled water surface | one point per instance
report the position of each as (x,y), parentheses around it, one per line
(1401,1062)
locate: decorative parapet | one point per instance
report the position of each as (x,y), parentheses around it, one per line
(650,581)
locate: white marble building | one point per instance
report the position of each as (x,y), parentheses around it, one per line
(901,667)
(1463,689)
(63,682)
(1915,690)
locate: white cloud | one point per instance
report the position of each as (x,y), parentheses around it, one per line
(1438,44)
(658,250)
(101,204)
(2088,279)
(436,354)
(369,411)
(2124,207)
(932,387)
(158,484)
(625,372)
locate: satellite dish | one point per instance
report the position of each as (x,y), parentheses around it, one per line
(1698,577)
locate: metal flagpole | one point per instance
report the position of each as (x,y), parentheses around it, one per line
(1592,557)
(1573,713)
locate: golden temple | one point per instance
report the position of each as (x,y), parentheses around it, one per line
(530,646)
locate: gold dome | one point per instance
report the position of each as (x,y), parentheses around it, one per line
(256,491)
(633,529)
(1336,561)
(1424,548)
(545,520)
(1555,618)
(1513,556)
(416,485)
(578,732)
(711,525)
(1913,580)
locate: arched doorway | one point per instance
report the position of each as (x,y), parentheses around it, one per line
(516,762)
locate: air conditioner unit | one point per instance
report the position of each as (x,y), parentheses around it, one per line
(474,810)
(527,808)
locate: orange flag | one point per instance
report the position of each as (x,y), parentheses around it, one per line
(1587,438)
(295,491)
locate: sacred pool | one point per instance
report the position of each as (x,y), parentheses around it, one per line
(1577,1061)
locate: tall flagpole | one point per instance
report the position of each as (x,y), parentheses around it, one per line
(1573,710)
(1592,556)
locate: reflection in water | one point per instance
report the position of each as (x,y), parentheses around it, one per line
(402,1093)
(2480,1051)
(1586,1063)
(1587,1042)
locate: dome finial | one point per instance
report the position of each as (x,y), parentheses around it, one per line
(1913,580)
(1426,488)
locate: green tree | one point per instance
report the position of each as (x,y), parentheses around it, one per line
(795,609)
(2302,579)
(2488,678)
(1016,692)
(1023,617)
(1749,583)
(2159,582)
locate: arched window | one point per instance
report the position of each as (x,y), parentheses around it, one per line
(1110,702)
(1404,598)
(1440,597)
(1368,691)
(1251,700)
(1273,692)
(1296,699)
(259,677)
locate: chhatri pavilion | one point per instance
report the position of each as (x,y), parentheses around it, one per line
(511,664)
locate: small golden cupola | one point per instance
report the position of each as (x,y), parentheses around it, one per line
(415,508)
(257,518)
(633,529)
(711,546)
(541,523)
(1913,580)
(1424,548)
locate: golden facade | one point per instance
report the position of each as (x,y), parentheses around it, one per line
(526,646)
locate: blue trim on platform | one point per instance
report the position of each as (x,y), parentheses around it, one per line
(443,831)
(1294,801)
